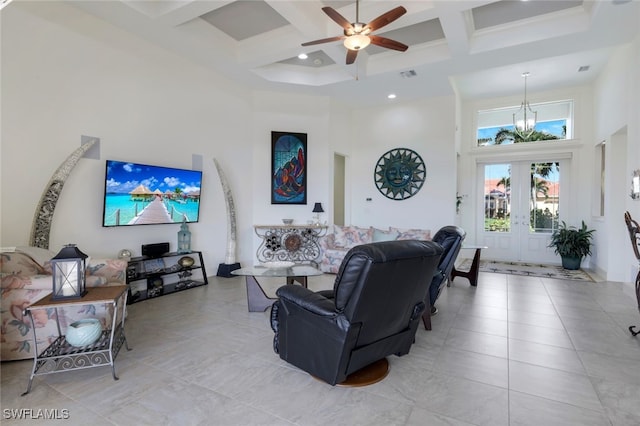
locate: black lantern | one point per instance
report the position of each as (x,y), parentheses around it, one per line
(68,268)
(184,239)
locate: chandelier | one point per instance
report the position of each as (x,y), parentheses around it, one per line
(524,120)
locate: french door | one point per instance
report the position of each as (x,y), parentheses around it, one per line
(520,208)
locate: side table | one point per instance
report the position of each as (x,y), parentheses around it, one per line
(61,356)
(472,273)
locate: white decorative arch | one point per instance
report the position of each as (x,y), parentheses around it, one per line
(41,226)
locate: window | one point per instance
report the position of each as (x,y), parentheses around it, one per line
(555,122)
(599,169)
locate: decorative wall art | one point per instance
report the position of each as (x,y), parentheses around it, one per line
(230,264)
(288,168)
(399,173)
(635,185)
(41,226)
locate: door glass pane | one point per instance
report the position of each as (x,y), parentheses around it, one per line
(497,198)
(544,196)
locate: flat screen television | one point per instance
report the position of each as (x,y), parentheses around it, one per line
(141,194)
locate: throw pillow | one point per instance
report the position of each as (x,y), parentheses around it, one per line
(380,235)
(40,255)
(351,236)
(339,236)
(413,234)
(19,262)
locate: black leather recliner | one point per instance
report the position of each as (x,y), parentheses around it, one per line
(373,310)
(450,238)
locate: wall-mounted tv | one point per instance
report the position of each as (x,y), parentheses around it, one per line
(140,194)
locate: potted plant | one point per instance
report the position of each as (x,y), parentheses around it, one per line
(572,244)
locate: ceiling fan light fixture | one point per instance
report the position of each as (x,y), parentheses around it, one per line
(357,42)
(357,35)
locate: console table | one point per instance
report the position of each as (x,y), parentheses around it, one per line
(293,243)
(61,356)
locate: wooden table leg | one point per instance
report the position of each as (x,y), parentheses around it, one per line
(472,273)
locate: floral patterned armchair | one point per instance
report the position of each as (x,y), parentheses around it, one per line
(26,278)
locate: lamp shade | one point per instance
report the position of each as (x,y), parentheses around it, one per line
(68,269)
(317,208)
(356,42)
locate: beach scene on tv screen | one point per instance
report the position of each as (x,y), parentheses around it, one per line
(139,194)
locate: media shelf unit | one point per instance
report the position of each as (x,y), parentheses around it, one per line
(149,277)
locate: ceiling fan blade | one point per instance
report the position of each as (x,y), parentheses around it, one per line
(339,19)
(324,40)
(386,18)
(351,56)
(388,43)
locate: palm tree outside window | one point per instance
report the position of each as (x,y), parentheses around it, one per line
(495,126)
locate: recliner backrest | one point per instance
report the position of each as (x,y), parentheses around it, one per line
(380,286)
(450,238)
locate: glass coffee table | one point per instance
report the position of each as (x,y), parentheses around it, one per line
(257,299)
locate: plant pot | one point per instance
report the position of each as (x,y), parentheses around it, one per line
(571,263)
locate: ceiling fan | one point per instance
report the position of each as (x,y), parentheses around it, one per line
(357,35)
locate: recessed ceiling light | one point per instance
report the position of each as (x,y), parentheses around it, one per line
(303,56)
(391,96)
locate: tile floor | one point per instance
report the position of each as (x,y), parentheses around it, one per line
(513,351)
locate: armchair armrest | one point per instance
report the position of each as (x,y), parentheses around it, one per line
(307,299)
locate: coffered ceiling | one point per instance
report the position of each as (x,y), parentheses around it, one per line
(476,47)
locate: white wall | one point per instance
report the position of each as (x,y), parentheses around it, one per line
(67,74)
(428,128)
(617,121)
(289,113)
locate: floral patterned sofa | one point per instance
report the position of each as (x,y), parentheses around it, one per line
(26,278)
(335,245)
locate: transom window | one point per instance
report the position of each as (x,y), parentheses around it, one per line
(555,122)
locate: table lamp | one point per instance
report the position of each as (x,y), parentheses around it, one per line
(317,209)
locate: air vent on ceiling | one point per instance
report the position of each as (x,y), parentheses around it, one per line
(584,68)
(408,74)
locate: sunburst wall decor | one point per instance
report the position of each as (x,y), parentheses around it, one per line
(400,173)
